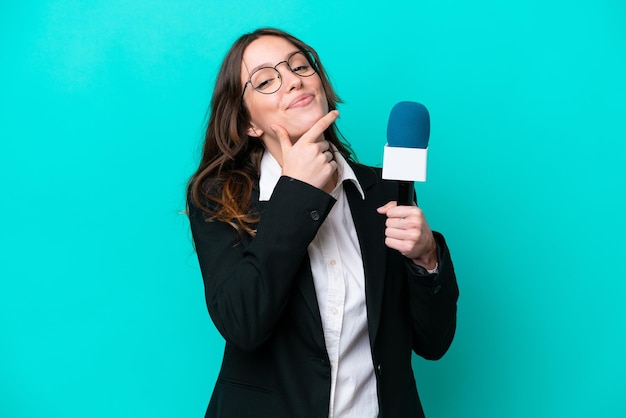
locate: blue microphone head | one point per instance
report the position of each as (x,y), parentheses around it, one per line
(409,126)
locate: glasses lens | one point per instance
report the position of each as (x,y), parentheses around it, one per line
(265,80)
(300,65)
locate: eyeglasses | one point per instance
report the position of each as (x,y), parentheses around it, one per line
(267,80)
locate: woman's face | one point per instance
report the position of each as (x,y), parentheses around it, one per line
(296,106)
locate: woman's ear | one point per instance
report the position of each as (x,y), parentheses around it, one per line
(254,130)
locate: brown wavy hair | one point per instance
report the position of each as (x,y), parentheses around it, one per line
(230,166)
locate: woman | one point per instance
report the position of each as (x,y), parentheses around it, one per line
(320,284)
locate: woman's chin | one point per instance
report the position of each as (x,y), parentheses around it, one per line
(305,125)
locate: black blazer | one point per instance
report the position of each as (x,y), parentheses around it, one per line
(261,297)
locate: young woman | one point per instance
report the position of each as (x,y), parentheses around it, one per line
(319,283)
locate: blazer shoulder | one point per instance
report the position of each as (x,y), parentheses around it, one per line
(371,179)
(365,170)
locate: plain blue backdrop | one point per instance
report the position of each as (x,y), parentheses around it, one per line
(102,107)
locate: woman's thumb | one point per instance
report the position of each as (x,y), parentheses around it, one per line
(283,138)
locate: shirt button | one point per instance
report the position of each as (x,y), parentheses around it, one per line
(333,262)
(315,215)
(334,311)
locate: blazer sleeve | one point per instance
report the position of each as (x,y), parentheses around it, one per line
(248,282)
(433,304)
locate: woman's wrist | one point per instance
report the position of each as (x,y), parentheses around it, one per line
(428,260)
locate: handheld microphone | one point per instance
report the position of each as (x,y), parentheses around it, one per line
(405,155)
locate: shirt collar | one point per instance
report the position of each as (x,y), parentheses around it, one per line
(271,172)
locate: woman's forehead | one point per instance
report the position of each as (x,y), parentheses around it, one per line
(266,51)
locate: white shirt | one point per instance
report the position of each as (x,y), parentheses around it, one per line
(339,279)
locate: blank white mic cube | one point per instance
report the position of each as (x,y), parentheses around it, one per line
(406,164)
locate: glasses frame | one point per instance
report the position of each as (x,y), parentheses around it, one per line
(309,57)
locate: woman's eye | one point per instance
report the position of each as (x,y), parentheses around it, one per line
(263,84)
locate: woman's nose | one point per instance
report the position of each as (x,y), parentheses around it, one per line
(290,80)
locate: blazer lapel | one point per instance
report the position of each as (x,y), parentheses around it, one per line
(304,279)
(307,288)
(370,228)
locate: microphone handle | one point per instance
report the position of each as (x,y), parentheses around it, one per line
(405,193)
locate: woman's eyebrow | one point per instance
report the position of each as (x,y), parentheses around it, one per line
(269,65)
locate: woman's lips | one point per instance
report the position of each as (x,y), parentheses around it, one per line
(301,101)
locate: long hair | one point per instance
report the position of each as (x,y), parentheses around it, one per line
(230,166)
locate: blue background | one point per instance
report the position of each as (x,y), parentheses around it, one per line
(102,107)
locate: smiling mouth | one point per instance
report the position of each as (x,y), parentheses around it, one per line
(301,101)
